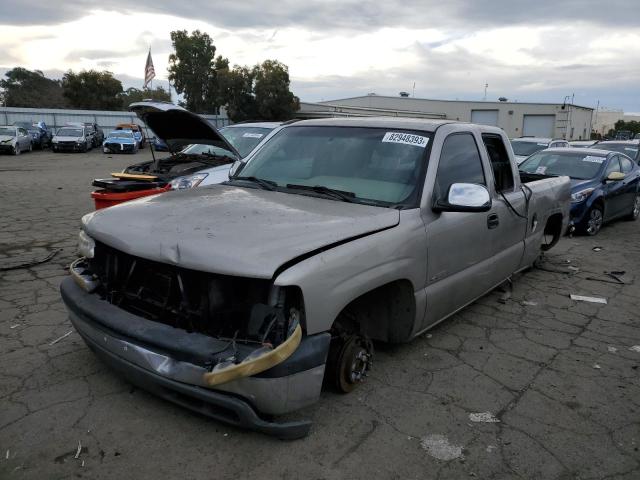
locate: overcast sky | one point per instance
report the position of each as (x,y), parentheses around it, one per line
(525,51)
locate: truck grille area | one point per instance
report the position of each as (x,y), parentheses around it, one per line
(220,306)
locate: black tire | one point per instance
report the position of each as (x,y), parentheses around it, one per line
(594,221)
(635,208)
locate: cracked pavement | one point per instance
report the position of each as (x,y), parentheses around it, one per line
(558,374)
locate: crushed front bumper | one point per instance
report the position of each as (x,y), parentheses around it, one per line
(168,362)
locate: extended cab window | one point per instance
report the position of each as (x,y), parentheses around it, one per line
(460,162)
(500,162)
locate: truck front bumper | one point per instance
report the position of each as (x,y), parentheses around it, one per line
(161,359)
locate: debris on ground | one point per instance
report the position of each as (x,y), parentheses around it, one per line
(491,448)
(529,303)
(582,298)
(79,450)
(635,348)
(438,447)
(596,249)
(14,326)
(31,263)
(62,337)
(596,366)
(575,269)
(612,349)
(483,417)
(7,455)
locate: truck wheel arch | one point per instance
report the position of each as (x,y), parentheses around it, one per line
(386,313)
(552,231)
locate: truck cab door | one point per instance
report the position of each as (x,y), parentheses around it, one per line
(458,248)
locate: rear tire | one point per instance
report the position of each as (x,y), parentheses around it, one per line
(594,221)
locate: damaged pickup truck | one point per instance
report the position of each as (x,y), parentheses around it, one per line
(238,300)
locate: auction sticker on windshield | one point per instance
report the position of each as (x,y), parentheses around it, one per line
(592,159)
(252,135)
(406,138)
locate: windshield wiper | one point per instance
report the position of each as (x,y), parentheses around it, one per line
(338,194)
(266,184)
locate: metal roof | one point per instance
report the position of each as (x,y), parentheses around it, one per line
(425,124)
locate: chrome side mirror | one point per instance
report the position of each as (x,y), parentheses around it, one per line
(465,197)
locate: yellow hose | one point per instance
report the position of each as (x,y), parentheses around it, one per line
(256,365)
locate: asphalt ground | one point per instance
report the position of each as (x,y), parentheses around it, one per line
(533,386)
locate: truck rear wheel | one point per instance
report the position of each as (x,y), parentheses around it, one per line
(349,361)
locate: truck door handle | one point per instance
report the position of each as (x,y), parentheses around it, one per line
(493,221)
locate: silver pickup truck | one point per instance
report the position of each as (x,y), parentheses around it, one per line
(239,300)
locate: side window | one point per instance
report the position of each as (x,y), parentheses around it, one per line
(626,165)
(460,162)
(613,166)
(500,163)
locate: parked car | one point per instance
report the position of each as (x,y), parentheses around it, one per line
(238,299)
(71,139)
(14,139)
(525,146)
(137,130)
(120,141)
(244,137)
(604,184)
(98,138)
(631,148)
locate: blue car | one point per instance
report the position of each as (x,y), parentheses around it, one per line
(120,141)
(604,184)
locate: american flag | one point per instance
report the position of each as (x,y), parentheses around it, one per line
(149,71)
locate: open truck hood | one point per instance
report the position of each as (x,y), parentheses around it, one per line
(232,230)
(178,127)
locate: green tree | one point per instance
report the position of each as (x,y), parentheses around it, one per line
(92,90)
(132,95)
(26,88)
(632,125)
(236,88)
(274,99)
(193,70)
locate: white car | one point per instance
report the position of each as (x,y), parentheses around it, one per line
(525,146)
(71,139)
(14,139)
(244,137)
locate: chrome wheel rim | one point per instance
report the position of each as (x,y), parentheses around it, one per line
(636,207)
(595,221)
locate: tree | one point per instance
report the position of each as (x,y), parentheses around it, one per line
(193,70)
(92,90)
(236,87)
(132,95)
(633,126)
(26,88)
(273,98)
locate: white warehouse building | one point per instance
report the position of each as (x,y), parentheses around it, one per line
(517,119)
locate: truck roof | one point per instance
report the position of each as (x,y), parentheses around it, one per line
(425,124)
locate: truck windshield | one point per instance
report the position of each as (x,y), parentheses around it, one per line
(578,166)
(376,165)
(244,139)
(527,148)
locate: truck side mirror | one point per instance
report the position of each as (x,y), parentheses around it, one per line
(464,197)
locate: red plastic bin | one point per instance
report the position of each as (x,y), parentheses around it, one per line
(105,198)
